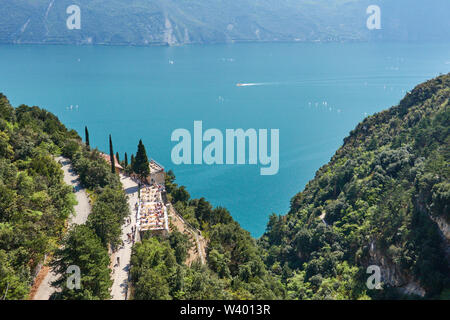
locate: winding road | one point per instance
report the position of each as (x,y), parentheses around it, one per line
(82,210)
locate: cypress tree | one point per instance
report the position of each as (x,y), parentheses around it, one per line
(86,134)
(117,157)
(141,161)
(126,160)
(133,161)
(111,154)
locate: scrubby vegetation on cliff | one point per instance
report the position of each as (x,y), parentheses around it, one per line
(375,202)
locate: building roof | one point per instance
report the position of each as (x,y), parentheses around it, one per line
(155,167)
(107,157)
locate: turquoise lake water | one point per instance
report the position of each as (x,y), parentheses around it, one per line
(313,93)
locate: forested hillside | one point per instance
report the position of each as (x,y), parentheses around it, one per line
(35,205)
(234,268)
(383,199)
(173,22)
(34,201)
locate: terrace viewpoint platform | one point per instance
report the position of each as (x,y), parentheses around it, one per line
(152,212)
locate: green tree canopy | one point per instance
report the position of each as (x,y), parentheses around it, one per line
(83,248)
(141,164)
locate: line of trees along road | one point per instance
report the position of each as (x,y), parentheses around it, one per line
(87,246)
(35,205)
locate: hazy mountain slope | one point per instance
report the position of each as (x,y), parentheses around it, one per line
(383,199)
(144,22)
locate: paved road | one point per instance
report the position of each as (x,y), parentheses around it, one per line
(82,210)
(121,272)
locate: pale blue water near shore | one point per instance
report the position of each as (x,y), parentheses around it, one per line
(314,93)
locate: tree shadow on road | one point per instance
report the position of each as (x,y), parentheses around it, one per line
(131,190)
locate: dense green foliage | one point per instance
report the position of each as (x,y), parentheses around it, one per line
(373,203)
(95,173)
(108,214)
(84,249)
(156,274)
(34,201)
(140,163)
(234,267)
(102,230)
(86,136)
(35,204)
(111,156)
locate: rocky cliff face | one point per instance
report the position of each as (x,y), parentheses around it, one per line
(393,276)
(444,229)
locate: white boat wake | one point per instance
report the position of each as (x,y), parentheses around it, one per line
(254,84)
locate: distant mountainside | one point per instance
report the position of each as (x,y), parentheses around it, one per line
(174,22)
(382,200)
